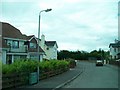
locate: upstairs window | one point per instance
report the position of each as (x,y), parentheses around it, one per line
(32,45)
(15,44)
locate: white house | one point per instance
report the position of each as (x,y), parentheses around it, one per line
(49,47)
(115,50)
(115,47)
(16,46)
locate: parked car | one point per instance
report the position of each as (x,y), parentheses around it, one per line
(99,63)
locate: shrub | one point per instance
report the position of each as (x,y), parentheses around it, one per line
(72,63)
(20,66)
(53,65)
(8,69)
(29,66)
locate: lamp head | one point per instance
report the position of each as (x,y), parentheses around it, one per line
(47,10)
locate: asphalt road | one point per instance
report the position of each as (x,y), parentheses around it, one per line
(96,77)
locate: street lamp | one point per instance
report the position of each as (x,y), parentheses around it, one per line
(47,10)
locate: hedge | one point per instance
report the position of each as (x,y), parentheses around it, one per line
(29,66)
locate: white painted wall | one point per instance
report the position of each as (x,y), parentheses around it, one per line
(51,53)
(4,57)
(113,53)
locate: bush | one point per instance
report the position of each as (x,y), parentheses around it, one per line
(53,65)
(72,63)
(28,66)
(20,66)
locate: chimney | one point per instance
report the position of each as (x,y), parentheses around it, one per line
(116,41)
(42,41)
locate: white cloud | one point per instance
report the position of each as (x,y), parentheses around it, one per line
(74,24)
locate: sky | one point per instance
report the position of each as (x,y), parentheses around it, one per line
(75,24)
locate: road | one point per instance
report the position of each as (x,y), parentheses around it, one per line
(96,77)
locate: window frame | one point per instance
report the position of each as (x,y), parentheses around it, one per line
(15,44)
(33,45)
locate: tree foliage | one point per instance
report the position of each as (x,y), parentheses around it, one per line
(83,55)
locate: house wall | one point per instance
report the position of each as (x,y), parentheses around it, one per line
(34,56)
(4,57)
(114,53)
(51,53)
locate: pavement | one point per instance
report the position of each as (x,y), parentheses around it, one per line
(57,81)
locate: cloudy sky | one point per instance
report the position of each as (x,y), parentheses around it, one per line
(75,24)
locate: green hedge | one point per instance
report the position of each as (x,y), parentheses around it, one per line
(53,65)
(72,63)
(31,66)
(20,66)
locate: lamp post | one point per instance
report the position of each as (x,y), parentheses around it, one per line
(47,10)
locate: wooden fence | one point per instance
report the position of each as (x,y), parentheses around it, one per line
(44,75)
(117,63)
(16,80)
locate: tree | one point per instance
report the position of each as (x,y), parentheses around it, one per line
(82,55)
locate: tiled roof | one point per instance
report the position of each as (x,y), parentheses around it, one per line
(10,31)
(115,44)
(50,43)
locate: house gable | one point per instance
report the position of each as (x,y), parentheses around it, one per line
(33,46)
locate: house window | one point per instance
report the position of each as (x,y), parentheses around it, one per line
(32,45)
(47,48)
(15,44)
